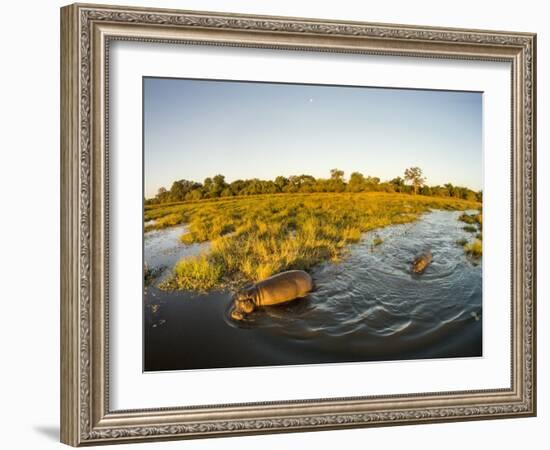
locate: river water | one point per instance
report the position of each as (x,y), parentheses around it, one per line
(368,307)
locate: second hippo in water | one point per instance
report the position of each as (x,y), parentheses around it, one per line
(421,262)
(280,288)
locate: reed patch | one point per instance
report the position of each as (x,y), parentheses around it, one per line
(253,238)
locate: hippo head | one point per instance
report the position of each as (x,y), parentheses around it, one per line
(243,304)
(422,261)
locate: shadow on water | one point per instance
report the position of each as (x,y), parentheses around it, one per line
(368,307)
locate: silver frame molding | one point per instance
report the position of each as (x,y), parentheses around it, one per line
(86,33)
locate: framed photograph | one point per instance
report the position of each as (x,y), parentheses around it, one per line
(276,224)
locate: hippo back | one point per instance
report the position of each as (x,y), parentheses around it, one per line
(421,262)
(283,287)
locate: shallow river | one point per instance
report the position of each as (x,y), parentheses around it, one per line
(368,307)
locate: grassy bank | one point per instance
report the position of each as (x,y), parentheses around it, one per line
(474,225)
(255,237)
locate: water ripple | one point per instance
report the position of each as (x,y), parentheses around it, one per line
(372,292)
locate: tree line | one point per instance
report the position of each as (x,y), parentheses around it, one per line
(412,182)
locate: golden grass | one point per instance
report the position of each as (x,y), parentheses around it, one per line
(475,225)
(253,238)
(474,248)
(196,274)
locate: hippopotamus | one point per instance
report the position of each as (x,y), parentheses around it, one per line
(277,289)
(421,262)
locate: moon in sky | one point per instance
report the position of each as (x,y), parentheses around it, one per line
(310,100)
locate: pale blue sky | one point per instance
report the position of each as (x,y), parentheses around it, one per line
(195,129)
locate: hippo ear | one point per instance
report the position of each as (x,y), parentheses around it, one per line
(246,291)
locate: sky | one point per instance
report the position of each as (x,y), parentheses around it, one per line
(195,129)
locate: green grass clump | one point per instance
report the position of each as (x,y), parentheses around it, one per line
(197,273)
(254,237)
(187,238)
(475,225)
(479,220)
(169,220)
(472,219)
(474,248)
(461,242)
(467,218)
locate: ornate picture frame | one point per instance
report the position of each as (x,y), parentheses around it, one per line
(87,32)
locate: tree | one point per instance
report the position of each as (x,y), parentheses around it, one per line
(426,190)
(281,182)
(213,187)
(193,195)
(398,184)
(293,184)
(386,187)
(450,189)
(371,183)
(337,175)
(306,183)
(337,181)
(207,185)
(163,195)
(237,186)
(414,175)
(356,182)
(218,185)
(180,188)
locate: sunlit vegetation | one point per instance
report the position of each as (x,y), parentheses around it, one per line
(252,238)
(472,219)
(475,225)
(412,182)
(474,248)
(196,273)
(467,218)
